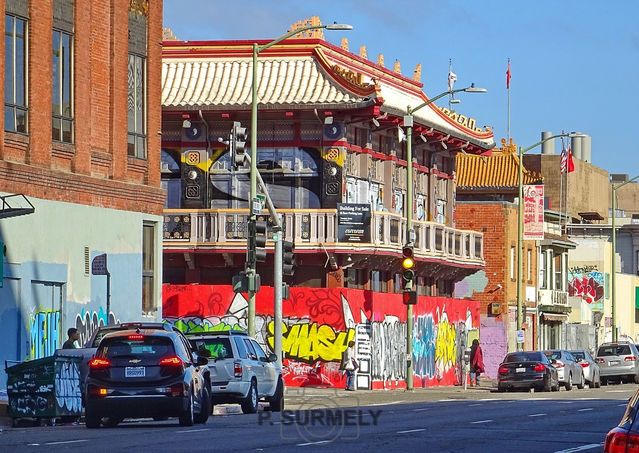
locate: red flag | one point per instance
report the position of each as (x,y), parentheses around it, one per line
(508,76)
(570,167)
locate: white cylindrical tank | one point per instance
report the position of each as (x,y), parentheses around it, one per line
(586,150)
(575,146)
(547,147)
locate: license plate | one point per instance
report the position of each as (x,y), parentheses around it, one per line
(520,370)
(134,371)
(614,362)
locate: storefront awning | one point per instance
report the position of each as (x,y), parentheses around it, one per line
(554,317)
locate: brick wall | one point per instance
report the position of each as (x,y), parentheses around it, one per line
(95,170)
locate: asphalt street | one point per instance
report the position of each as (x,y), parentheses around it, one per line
(432,420)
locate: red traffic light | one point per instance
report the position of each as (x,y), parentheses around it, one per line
(409,297)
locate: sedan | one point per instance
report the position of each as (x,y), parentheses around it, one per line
(524,370)
(625,436)
(589,367)
(569,371)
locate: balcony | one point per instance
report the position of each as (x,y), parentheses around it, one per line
(553,297)
(226,229)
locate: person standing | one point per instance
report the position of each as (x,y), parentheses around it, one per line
(350,366)
(74,336)
(476,363)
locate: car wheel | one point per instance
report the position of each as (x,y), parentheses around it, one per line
(582,384)
(604,381)
(112,422)
(205,406)
(187,415)
(276,403)
(547,384)
(249,405)
(598,382)
(501,388)
(569,382)
(636,378)
(91,419)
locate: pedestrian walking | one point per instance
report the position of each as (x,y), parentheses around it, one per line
(74,337)
(476,363)
(350,365)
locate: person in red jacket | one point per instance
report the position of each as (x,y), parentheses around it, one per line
(476,363)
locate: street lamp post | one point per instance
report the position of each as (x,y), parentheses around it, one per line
(520,226)
(251,263)
(613,296)
(408,123)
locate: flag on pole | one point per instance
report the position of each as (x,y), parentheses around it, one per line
(566,163)
(452,78)
(508,76)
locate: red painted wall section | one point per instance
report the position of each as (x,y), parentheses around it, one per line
(318,324)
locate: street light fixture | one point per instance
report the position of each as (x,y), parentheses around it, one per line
(613,297)
(408,123)
(520,225)
(251,265)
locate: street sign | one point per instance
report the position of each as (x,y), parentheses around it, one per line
(99,265)
(258,204)
(520,336)
(354,222)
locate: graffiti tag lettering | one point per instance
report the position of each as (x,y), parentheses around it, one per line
(45,333)
(312,342)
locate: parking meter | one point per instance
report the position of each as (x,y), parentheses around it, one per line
(466,366)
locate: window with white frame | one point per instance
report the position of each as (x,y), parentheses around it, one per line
(15,74)
(149,305)
(136,99)
(542,270)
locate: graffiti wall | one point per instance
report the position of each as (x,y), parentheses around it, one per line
(318,324)
(45,333)
(587,282)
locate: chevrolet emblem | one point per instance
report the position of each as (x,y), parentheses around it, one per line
(135,361)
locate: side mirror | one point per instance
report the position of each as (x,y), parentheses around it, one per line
(201,361)
(272,357)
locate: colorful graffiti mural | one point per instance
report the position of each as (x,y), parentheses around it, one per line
(586,282)
(88,322)
(44,331)
(318,323)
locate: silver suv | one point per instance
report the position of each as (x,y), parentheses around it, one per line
(618,360)
(241,372)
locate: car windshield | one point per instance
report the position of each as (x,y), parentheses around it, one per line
(136,345)
(216,348)
(614,349)
(100,335)
(523,357)
(579,355)
(553,355)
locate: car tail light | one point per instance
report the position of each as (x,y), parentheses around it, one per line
(237,369)
(503,370)
(630,358)
(177,390)
(559,364)
(540,367)
(620,441)
(136,337)
(98,391)
(584,364)
(599,360)
(99,363)
(171,361)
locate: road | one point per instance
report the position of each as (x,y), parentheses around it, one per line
(437,421)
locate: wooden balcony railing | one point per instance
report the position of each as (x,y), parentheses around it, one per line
(309,228)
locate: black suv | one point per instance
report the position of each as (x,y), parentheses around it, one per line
(147,373)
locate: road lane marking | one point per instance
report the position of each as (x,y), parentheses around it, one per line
(474,405)
(382,404)
(319,442)
(67,442)
(535,398)
(618,391)
(622,405)
(480,421)
(565,402)
(411,431)
(192,430)
(584,409)
(586,399)
(537,415)
(489,399)
(421,409)
(581,448)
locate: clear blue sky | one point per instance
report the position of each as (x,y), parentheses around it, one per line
(573,62)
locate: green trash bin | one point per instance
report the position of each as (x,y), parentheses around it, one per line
(45,388)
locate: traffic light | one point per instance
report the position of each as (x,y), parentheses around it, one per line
(288,258)
(261,228)
(237,143)
(409,297)
(408,262)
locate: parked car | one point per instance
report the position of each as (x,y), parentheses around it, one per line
(589,366)
(624,438)
(524,370)
(241,372)
(570,373)
(147,373)
(619,360)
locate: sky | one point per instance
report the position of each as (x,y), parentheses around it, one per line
(573,62)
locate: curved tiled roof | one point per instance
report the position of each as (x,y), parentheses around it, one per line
(498,171)
(197,83)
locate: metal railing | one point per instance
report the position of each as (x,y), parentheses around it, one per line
(308,228)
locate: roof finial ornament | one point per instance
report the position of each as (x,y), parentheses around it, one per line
(345,44)
(363,52)
(317,33)
(380,59)
(417,73)
(397,67)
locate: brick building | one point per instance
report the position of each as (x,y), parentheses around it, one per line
(80,141)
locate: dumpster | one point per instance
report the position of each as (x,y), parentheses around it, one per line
(45,388)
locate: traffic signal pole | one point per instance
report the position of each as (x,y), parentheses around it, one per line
(408,122)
